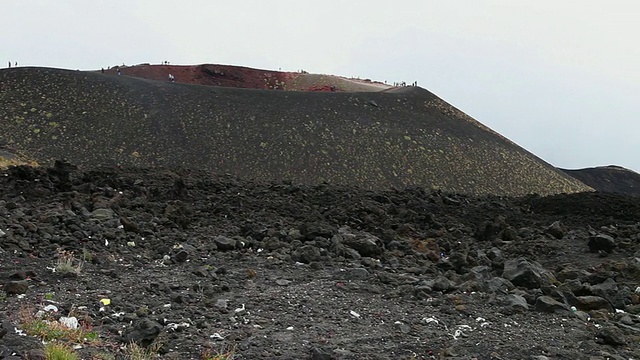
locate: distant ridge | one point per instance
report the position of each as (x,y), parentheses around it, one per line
(248,78)
(611,179)
(376,140)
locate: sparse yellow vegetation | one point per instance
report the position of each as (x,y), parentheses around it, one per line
(58,351)
(67,263)
(134,351)
(6,162)
(47,328)
(226,354)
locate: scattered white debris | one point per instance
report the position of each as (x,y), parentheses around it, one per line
(19,332)
(290,328)
(106,242)
(260,250)
(71,322)
(77,347)
(131,243)
(618,311)
(638,290)
(217,336)
(240,309)
(52,308)
(479,319)
(431,320)
(120,226)
(460,331)
(174,326)
(354,314)
(166,305)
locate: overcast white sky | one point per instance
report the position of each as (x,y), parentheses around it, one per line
(560,78)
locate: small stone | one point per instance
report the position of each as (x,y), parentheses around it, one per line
(356,273)
(499,285)
(556,230)
(36,354)
(365,244)
(526,274)
(626,319)
(610,335)
(143,332)
(583,316)
(222,304)
(318,353)
(601,243)
(306,254)
(342,352)
(102,214)
(202,271)
(16,287)
(225,243)
(181,256)
(129,225)
(633,309)
(587,303)
(283,282)
(517,303)
(549,304)
(2,233)
(403,327)
(441,283)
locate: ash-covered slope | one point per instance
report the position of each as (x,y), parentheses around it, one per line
(612,179)
(374,140)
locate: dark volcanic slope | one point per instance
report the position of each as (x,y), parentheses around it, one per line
(613,179)
(375,140)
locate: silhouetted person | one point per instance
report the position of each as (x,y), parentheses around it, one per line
(119,72)
(16,64)
(9,64)
(103,70)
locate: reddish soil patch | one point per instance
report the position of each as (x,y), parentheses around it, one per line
(248,78)
(214,75)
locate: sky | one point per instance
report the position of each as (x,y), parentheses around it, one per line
(560,78)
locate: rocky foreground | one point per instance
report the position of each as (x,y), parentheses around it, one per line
(190,264)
